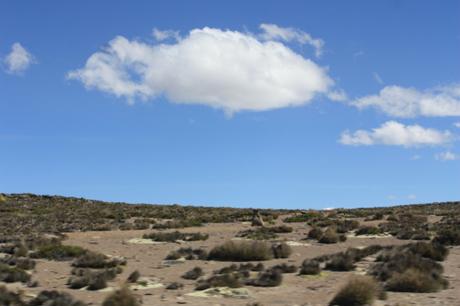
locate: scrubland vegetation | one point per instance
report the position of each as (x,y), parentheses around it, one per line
(33,229)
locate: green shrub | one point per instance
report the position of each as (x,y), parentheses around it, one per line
(241,251)
(368,230)
(59,252)
(359,291)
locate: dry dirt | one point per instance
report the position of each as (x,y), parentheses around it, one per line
(295,290)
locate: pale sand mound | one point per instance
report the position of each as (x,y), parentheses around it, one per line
(144,241)
(239,293)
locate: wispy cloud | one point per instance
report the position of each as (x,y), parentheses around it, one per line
(378,78)
(393,133)
(18,60)
(447,156)
(409,102)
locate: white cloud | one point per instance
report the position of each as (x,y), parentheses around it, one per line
(163,35)
(412,197)
(415,157)
(409,102)
(18,60)
(378,78)
(447,156)
(457,124)
(337,95)
(274,32)
(393,133)
(228,70)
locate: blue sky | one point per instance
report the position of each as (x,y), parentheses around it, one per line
(248,103)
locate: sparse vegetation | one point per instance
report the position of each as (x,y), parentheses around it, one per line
(121,297)
(359,291)
(175,236)
(241,251)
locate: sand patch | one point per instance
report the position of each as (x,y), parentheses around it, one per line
(315,276)
(297,243)
(239,293)
(144,241)
(146,283)
(369,236)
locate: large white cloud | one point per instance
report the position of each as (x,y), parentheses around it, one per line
(224,69)
(397,134)
(409,102)
(18,60)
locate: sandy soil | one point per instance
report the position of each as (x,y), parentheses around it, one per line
(295,290)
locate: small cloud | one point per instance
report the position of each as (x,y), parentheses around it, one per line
(412,197)
(163,35)
(393,133)
(18,60)
(404,102)
(457,124)
(447,156)
(329,208)
(378,79)
(415,157)
(337,95)
(274,32)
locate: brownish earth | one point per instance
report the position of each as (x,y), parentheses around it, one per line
(295,290)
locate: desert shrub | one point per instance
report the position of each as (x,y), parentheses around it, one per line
(340,262)
(392,218)
(19,262)
(13,274)
(8,298)
(359,291)
(448,237)
(133,277)
(329,236)
(269,278)
(188,254)
(285,268)
(96,261)
(174,236)
(420,235)
(343,226)
(57,251)
(342,238)
(174,286)
(260,233)
(54,298)
(231,280)
(433,251)
(367,230)
(121,297)
(304,217)
(315,233)
(195,273)
(241,251)
(310,267)
(93,280)
(413,280)
(281,250)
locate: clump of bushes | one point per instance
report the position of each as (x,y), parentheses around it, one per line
(265,233)
(55,298)
(188,253)
(175,236)
(448,236)
(367,230)
(359,291)
(310,267)
(10,274)
(269,278)
(93,280)
(285,268)
(193,274)
(414,280)
(57,251)
(178,224)
(121,297)
(231,280)
(281,250)
(8,298)
(341,262)
(241,251)
(97,261)
(329,236)
(315,233)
